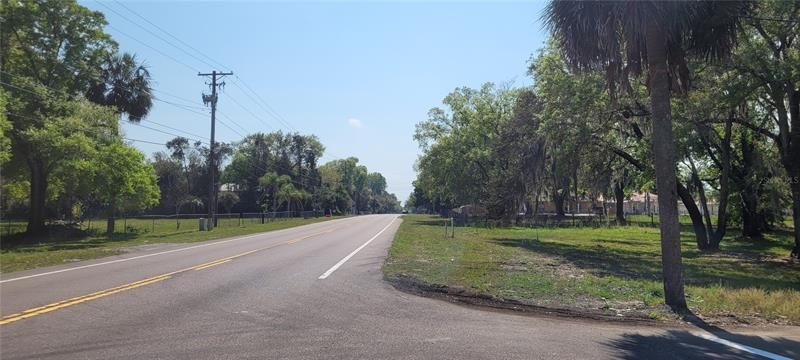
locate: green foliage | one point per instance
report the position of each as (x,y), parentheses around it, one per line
(68,147)
(59,44)
(5,128)
(347,186)
(125,85)
(124,180)
(276,154)
(457,143)
(54,52)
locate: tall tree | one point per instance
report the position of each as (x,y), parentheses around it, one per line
(124,84)
(125,181)
(625,38)
(768,56)
(56,47)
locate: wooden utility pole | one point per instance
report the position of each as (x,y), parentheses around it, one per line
(212,156)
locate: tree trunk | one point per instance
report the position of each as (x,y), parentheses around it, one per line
(110,224)
(796,215)
(619,197)
(724,185)
(793,162)
(111,221)
(709,226)
(664,156)
(38,197)
(701,237)
(558,201)
(751,218)
(752,224)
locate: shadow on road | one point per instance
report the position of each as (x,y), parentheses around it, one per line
(681,344)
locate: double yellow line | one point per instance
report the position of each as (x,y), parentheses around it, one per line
(80,299)
(103,293)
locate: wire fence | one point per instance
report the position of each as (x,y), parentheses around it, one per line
(567,220)
(160,224)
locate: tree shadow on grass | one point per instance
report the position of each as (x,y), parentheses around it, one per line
(613,261)
(430,222)
(682,344)
(24,243)
(71,238)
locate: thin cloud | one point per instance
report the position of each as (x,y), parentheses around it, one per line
(355,123)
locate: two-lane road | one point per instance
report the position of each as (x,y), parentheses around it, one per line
(309,292)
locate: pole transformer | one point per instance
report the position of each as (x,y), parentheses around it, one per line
(212,156)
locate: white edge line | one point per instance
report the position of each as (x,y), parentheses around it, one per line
(344,260)
(160,253)
(744,348)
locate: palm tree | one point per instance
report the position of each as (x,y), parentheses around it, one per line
(275,182)
(124,84)
(625,37)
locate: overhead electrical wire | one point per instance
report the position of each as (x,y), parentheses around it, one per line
(130,122)
(258,100)
(89,130)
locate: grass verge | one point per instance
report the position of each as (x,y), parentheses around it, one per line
(616,271)
(22,254)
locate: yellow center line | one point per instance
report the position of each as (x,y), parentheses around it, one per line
(81,297)
(117,289)
(78,300)
(212,264)
(306,237)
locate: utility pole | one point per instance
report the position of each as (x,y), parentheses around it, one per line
(212,156)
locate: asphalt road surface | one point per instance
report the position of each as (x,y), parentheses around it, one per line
(281,295)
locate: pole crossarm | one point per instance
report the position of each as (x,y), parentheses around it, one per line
(212,157)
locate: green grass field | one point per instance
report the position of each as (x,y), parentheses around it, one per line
(20,253)
(608,269)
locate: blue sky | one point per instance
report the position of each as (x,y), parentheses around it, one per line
(357,75)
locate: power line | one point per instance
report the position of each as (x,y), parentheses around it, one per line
(100,132)
(152,33)
(229,127)
(172,36)
(178,130)
(19,88)
(182,107)
(258,100)
(161,131)
(153,48)
(134,123)
(250,112)
(269,112)
(174,96)
(88,130)
(232,121)
(268,108)
(145,141)
(150,92)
